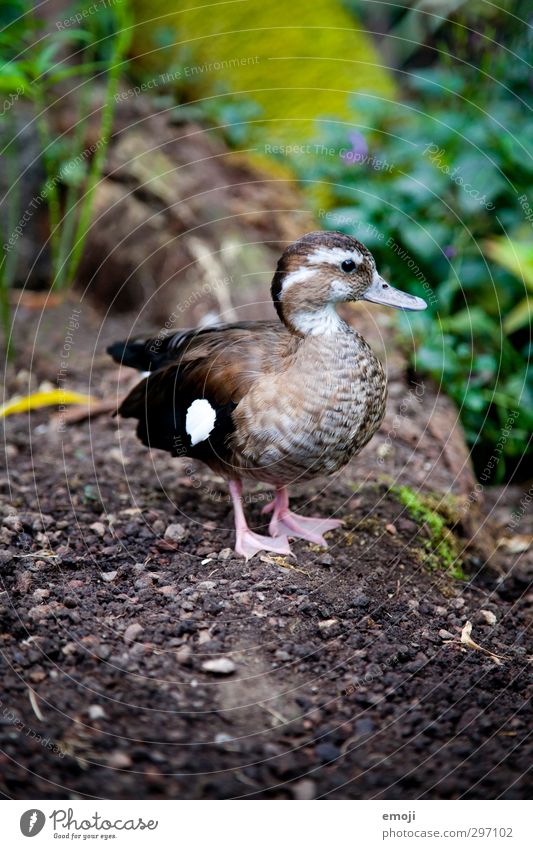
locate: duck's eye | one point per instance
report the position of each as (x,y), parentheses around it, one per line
(348,265)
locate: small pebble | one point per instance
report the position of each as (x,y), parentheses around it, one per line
(96,712)
(40,594)
(219,666)
(488,616)
(184,655)
(109,576)
(132,632)
(12,522)
(222,738)
(176,532)
(206,585)
(391,529)
(304,790)
(327,624)
(119,760)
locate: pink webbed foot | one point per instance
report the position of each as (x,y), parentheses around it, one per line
(249,543)
(286,523)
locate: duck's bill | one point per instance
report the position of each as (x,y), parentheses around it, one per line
(381,292)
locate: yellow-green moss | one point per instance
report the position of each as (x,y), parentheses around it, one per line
(298,61)
(442,550)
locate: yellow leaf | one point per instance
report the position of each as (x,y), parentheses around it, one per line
(55,397)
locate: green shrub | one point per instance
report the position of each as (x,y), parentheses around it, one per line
(36,65)
(437,187)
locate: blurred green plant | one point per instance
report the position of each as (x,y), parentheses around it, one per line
(435,186)
(516,257)
(36,62)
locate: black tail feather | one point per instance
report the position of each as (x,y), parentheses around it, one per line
(132,354)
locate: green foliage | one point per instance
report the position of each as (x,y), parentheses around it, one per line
(35,65)
(442,550)
(516,257)
(437,187)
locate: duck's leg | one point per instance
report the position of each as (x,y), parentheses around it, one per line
(249,543)
(285,522)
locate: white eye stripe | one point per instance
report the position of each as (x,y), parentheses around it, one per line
(299,276)
(200,420)
(335,255)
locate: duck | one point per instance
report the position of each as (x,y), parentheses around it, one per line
(278,401)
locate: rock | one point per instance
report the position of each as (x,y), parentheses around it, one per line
(488,617)
(225,554)
(40,594)
(41,611)
(327,752)
(37,677)
(364,726)
(176,532)
(132,632)
(102,651)
(184,655)
(96,712)
(168,590)
(221,739)
(119,760)
(361,601)
(99,528)
(391,529)
(12,521)
(219,666)
(24,582)
(283,655)
(109,576)
(304,789)
(329,628)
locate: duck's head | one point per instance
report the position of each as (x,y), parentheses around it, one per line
(323,269)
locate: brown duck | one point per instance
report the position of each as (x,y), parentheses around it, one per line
(277,402)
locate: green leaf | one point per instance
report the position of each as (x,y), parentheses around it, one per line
(515,256)
(519,317)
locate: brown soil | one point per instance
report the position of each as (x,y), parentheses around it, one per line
(349,678)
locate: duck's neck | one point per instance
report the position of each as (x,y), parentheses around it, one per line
(322,320)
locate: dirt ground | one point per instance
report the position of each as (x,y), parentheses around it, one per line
(142,662)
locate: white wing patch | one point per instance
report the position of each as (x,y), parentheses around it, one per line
(200,420)
(335,255)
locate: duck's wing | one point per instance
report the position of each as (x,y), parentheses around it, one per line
(185,406)
(166,348)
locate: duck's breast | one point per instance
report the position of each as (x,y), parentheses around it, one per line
(312,418)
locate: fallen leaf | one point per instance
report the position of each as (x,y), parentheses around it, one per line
(467,640)
(51,398)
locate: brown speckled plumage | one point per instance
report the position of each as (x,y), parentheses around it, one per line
(312,414)
(276,402)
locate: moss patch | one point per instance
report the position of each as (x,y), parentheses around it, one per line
(441,548)
(298,61)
